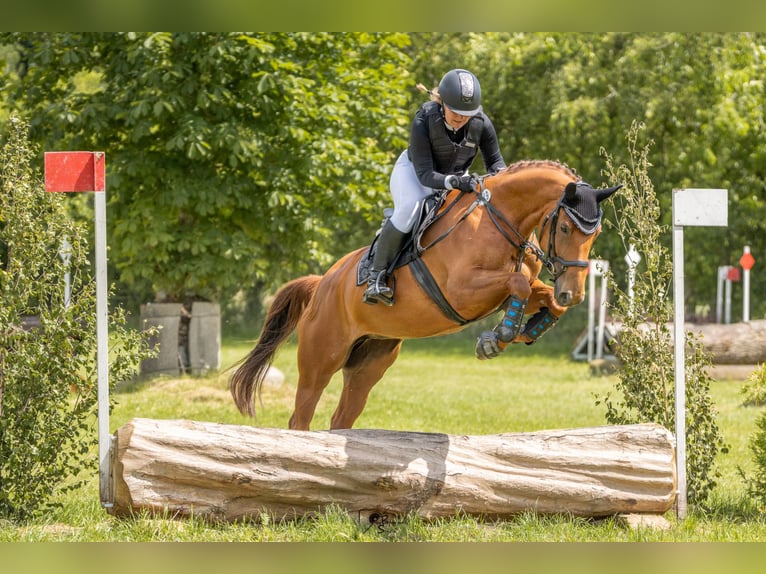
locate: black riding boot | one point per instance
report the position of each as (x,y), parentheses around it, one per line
(388,244)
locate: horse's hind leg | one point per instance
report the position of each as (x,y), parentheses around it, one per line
(319,358)
(365,366)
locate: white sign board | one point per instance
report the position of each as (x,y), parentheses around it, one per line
(701,207)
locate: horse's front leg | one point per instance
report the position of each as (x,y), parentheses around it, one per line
(491,343)
(544,311)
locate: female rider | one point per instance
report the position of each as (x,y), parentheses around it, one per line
(446,135)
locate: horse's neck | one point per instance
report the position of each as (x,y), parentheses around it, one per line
(526,205)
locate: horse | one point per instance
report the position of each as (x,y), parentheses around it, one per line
(482,255)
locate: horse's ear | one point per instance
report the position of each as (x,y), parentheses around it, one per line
(570,191)
(602,194)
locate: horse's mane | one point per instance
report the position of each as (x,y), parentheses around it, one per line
(544,163)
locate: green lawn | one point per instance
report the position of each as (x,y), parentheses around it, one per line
(435,386)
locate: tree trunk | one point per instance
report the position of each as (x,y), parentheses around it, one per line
(230,472)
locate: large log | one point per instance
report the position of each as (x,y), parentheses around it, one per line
(734,343)
(728,344)
(230,472)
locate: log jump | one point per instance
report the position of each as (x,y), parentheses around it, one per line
(229,472)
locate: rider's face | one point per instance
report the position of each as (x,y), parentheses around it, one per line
(455,121)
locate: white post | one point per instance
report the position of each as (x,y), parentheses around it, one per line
(591,307)
(66,255)
(632,258)
(746,289)
(603,267)
(699,207)
(722,273)
(680,362)
(727,298)
(102,334)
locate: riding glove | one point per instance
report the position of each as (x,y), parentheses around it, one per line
(465,183)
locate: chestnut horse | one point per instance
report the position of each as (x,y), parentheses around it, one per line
(481,256)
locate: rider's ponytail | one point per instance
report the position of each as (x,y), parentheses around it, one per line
(433,94)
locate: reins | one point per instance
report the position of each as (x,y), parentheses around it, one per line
(501,223)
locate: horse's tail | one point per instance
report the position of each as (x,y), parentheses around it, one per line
(281,320)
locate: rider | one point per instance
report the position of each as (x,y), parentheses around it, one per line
(446,135)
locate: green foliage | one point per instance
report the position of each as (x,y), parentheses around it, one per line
(754,388)
(701,97)
(237,161)
(754,391)
(47,374)
(756,484)
(233,159)
(646,378)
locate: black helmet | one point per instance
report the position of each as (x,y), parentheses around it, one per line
(460,92)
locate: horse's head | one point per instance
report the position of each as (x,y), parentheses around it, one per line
(567,234)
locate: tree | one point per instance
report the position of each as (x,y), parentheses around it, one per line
(48,387)
(225,135)
(234,159)
(701,97)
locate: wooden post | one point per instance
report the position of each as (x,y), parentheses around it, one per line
(230,472)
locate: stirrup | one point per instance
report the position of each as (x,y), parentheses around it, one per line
(378,291)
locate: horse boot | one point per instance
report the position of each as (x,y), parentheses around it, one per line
(388,244)
(490,343)
(539,324)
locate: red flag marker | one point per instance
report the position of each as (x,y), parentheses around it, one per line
(67,171)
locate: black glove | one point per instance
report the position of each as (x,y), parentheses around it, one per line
(465,183)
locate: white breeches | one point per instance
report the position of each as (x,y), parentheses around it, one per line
(407,192)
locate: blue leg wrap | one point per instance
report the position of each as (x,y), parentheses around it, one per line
(509,327)
(539,324)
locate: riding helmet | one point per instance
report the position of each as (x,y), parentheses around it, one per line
(460,92)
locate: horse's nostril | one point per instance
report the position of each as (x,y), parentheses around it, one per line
(564,298)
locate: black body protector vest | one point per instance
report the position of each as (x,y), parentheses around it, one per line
(448,156)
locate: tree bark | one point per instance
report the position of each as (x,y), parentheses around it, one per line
(230,472)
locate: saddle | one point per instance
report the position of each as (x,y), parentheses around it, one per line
(410,253)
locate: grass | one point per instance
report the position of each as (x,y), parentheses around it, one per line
(435,386)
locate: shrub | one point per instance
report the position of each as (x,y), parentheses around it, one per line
(756,484)
(646,388)
(48,379)
(754,388)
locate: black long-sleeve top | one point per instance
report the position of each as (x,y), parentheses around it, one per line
(437,151)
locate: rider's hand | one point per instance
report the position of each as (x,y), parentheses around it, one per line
(465,183)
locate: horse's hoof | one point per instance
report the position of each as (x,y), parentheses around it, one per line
(487,346)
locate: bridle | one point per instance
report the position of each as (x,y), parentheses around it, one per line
(553,263)
(552,259)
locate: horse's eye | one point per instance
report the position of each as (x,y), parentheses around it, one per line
(564,228)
